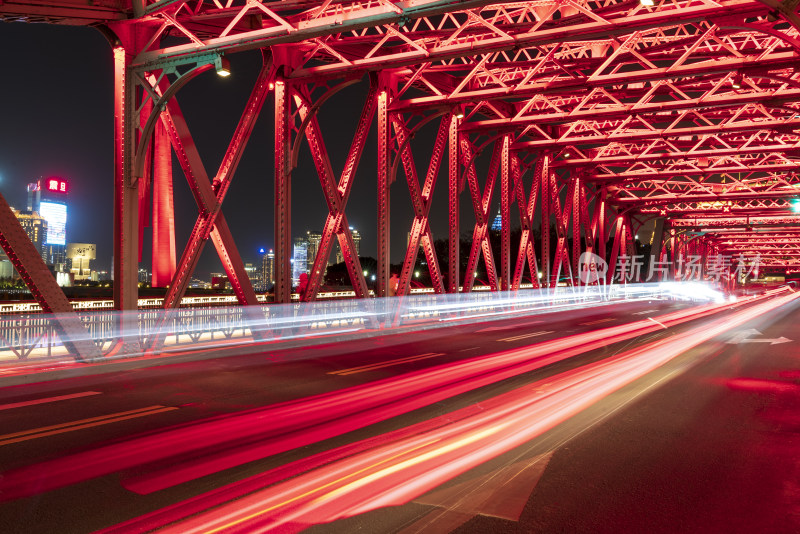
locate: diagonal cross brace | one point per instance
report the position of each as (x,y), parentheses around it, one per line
(421,200)
(562,220)
(480,234)
(526,213)
(30,266)
(336,197)
(210,222)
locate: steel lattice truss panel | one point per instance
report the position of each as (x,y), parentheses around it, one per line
(686,109)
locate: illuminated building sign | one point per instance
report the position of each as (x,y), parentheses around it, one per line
(56,185)
(56,217)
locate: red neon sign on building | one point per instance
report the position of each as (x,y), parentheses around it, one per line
(56,185)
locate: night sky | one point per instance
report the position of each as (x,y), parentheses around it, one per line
(58,121)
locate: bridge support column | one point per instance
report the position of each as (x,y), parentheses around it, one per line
(126,195)
(505,216)
(544,182)
(283,195)
(163,210)
(382,285)
(453,188)
(655,247)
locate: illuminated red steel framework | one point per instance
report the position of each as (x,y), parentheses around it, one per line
(594,120)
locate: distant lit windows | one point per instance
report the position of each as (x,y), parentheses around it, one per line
(56,217)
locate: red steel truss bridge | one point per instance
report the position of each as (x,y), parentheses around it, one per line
(599,116)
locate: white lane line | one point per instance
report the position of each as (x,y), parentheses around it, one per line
(49,399)
(370,367)
(534,334)
(659,324)
(645,312)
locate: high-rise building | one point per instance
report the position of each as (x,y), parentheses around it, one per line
(299,259)
(253,274)
(47,197)
(356,242)
(497,223)
(267,268)
(79,258)
(36,228)
(313,240)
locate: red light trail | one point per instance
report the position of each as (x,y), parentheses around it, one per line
(419,459)
(185,453)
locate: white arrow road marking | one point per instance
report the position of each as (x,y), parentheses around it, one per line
(743,336)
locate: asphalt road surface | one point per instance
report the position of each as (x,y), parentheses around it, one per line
(634,417)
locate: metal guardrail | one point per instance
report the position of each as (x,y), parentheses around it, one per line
(33,336)
(22,307)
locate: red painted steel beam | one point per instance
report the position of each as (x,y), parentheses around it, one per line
(421,200)
(68,12)
(574,85)
(382,285)
(125,267)
(283,193)
(505,215)
(659,200)
(731,169)
(646,154)
(458,147)
(43,287)
(544,178)
(656,134)
(284,30)
(164,253)
(531,35)
(708,223)
(657,110)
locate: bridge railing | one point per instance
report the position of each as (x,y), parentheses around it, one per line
(34,336)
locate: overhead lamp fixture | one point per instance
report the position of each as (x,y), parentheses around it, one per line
(737,81)
(459,114)
(223,66)
(647,3)
(566,154)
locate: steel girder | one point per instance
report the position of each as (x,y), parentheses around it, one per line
(638,110)
(283,192)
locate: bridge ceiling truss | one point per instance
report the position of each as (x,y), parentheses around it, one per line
(600,117)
